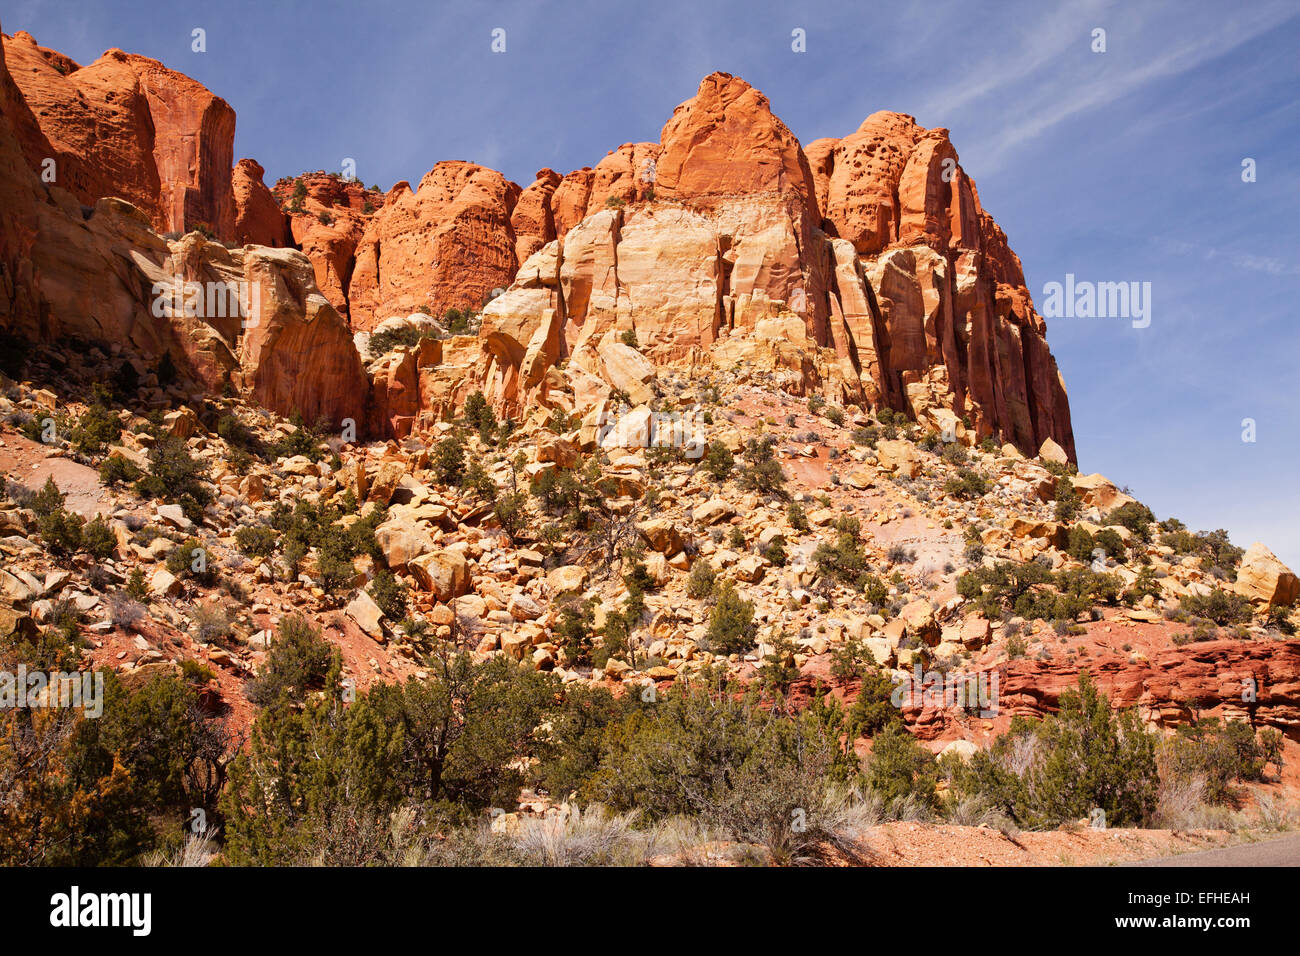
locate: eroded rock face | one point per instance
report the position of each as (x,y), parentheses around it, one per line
(258,217)
(327,224)
(446,245)
(865,270)
(251,319)
(127,126)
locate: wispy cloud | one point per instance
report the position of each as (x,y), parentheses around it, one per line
(1048,84)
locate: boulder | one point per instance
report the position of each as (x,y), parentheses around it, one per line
(444,573)
(1263,578)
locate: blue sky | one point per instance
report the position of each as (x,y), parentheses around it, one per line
(1115,166)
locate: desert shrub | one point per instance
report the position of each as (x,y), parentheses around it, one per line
(390,594)
(117,470)
(873,709)
(1135,516)
(575,630)
(844,561)
(212,621)
(795,515)
(443,748)
(190,560)
(1080,544)
(719,461)
(1068,501)
(479,416)
(381,343)
(448,459)
(901,770)
(297,661)
(761,473)
(711,752)
(1062,768)
(1219,754)
(700,582)
(175,476)
(98,539)
(256,541)
(731,622)
(301,440)
(98,426)
(1221,607)
(61,531)
(966,484)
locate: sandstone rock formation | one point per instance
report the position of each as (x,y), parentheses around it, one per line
(258,217)
(870,274)
(327,225)
(127,126)
(248,318)
(447,244)
(863,269)
(1263,578)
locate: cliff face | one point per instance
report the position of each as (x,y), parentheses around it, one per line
(864,268)
(128,127)
(251,319)
(870,256)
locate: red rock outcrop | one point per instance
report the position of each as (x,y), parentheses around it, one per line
(258,217)
(864,269)
(20,192)
(532,220)
(448,244)
(129,127)
(327,223)
(249,318)
(725,141)
(903,289)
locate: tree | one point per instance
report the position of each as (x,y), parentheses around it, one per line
(762,473)
(731,622)
(900,769)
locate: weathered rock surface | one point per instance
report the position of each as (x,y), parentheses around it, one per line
(870,275)
(327,225)
(258,217)
(447,244)
(127,126)
(1262,577)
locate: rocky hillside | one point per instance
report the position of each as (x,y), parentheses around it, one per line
(722,422)
(869,272)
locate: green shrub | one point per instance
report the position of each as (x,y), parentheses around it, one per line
(966,484)
(900,769)
(1068,501)
(448,460)
(256,541)
(390,594)
(762,473)
(117,470)
(719,461)
(297,661)
(700,582)
(1221,607)
(1083,758)
(98,539)
(731,622)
